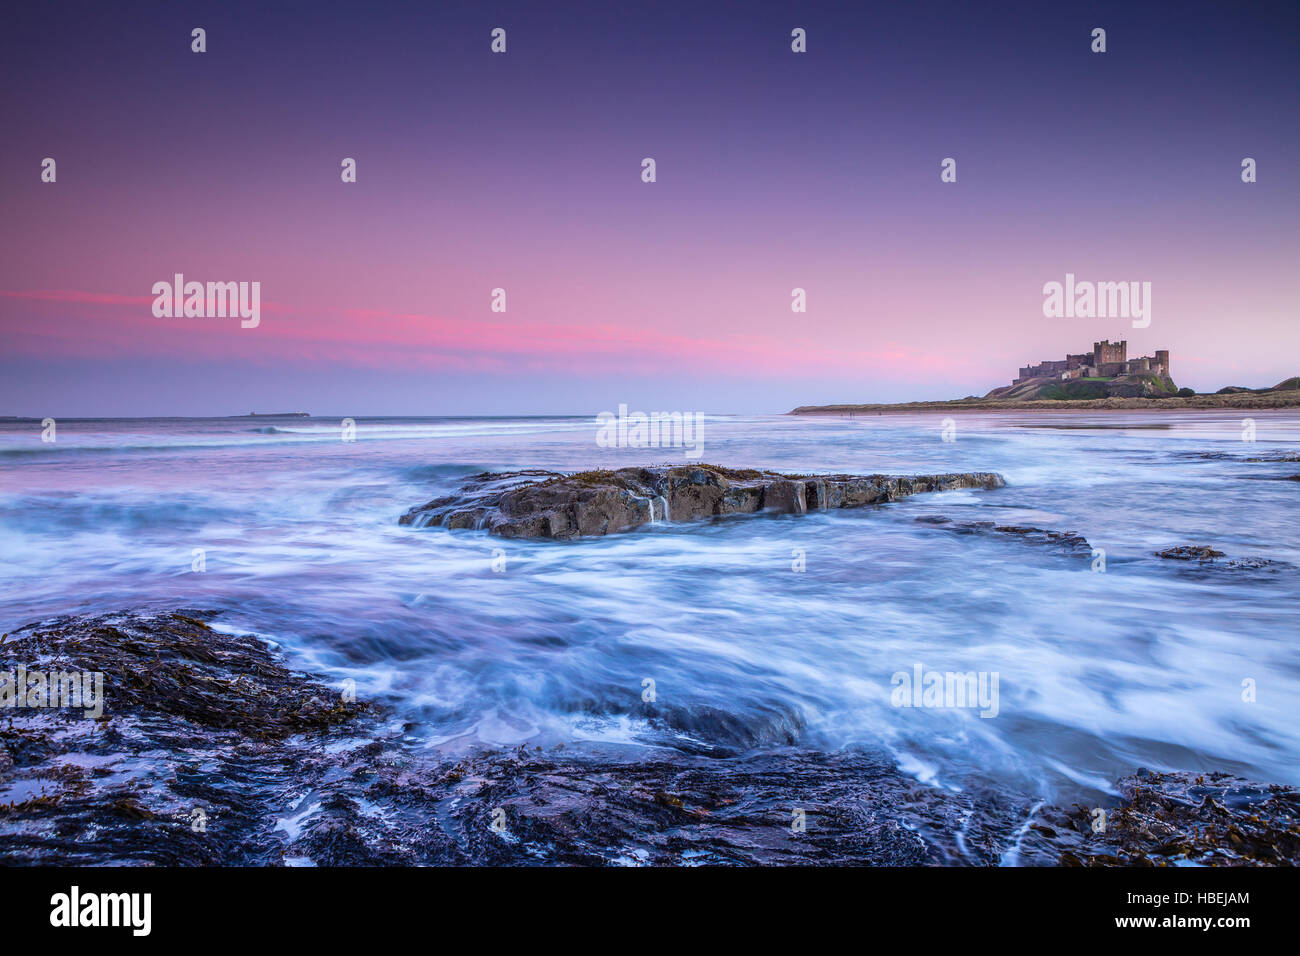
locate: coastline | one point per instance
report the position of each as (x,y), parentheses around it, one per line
(1254,402)
(218,745)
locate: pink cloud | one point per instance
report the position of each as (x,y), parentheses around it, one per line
(98,325)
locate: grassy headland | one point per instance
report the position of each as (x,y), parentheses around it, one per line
(1285,394)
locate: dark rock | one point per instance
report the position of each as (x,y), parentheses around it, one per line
(541,504)
(1190,552)
(1066,541)
(1269,456)
(1213,819)
(1204,558)
(289,780)
(201,738)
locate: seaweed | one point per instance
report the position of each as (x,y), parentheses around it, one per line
(174,781)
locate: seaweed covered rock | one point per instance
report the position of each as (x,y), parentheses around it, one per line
(177,665)
(1164,819)
(183,759)
(540,504)
(210,751)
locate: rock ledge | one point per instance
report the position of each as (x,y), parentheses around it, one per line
(547,504)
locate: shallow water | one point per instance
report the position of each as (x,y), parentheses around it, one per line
(1098,672)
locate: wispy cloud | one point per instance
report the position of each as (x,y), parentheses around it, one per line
(100,324)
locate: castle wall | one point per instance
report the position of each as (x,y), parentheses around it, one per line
(1078,361)
(1107,360)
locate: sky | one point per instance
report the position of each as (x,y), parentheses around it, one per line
(522,171)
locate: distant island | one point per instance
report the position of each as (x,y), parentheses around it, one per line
(1105,378)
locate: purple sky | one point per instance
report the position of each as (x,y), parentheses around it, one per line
(522,171)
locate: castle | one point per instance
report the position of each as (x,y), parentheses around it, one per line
(1106,360)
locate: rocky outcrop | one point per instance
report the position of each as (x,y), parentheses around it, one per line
(211,752)
(1190,552)
(544,504)
(1067,541)
(1134,385)
(1203,557)
(201,736)
(1163,819)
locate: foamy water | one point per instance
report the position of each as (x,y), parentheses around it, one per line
(1099,673)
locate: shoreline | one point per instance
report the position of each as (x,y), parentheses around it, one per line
(1272,402)
(242,733)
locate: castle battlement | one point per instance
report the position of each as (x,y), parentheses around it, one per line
(1106,360)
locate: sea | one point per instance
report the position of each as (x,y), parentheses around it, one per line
(726,636)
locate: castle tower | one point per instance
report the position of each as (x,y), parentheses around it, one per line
(1106,353)
(1162,358)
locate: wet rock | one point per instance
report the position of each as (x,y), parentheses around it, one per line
(1066,541)
(200,737)
(1190,552)
(1269,456)
(1205,558)
(289,773)
(788,807)
(539,504)
(1213,819)
(786,496)
(177,665)
(186,768)
(1282,456)
(1254,564)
